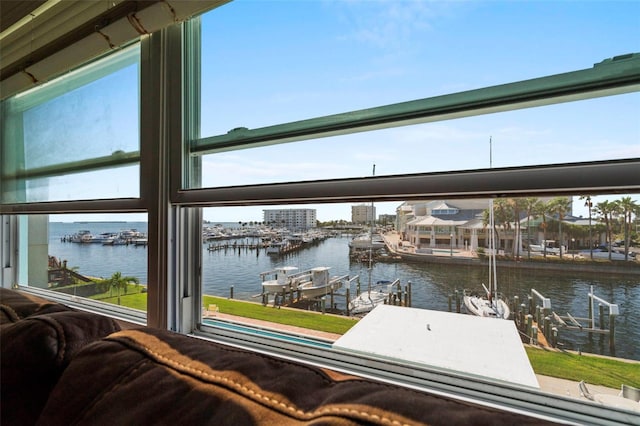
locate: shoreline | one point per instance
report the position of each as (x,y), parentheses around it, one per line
(469,258)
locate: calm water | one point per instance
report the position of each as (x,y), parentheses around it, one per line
(431,283)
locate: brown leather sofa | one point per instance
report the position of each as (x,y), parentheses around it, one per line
(60,366)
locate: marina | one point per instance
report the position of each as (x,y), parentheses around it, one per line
(432,284)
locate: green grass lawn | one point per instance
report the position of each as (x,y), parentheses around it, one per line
(594,370)
(134,298)
(299,318)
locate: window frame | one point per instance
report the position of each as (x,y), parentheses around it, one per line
(13,109)
(169,115)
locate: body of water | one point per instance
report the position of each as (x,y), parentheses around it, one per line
(431,283)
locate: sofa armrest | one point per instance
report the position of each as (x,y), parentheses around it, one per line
(154,377)
(34,350)
(16,305)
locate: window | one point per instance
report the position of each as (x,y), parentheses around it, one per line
(76,139)
(285,132)
(351,90)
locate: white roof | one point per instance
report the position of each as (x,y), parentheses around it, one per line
(486,347)
(432,220)
(321,268)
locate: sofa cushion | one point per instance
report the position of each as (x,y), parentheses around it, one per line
(154,377)
(16,305)
(34,350)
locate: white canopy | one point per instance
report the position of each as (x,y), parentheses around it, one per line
(485,347)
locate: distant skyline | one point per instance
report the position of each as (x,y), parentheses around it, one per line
(324,213)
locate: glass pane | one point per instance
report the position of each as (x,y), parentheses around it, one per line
(115,182)
(310,59)
(260,266)
(65,130)
(102,257)
(545,135)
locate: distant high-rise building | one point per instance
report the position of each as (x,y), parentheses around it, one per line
(292,219)
(363,213)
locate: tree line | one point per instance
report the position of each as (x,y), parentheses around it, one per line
(614,218)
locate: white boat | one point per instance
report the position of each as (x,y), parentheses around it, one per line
(318,283)
(276,247)
(83,236)
(273,281)
(367,241)
(489,304)
(366,301)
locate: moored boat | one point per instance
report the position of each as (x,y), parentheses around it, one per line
(318,283)
(274,280)
(374,296)
(491,304)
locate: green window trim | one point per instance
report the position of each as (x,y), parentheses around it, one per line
(617,75)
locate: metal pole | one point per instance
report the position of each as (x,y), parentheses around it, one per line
(347,296)
(612,331)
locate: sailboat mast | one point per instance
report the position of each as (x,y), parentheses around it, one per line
(493,282)
(372,213)
(371,236)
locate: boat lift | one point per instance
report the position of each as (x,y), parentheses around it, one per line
(542,319)
(572,323)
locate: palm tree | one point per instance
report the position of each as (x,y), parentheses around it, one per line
(503,214)
(516,204)
(607,209)
(588,203)
(561,206)
(628,207)
(119,282)
(531,205)
(541,209)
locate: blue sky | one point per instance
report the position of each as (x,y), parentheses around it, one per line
(272,62)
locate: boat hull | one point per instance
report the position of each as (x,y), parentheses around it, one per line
(482,307)
(365,302)
(309,291)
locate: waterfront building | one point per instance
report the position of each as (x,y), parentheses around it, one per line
(460,224)
(291,219)
(441,223)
